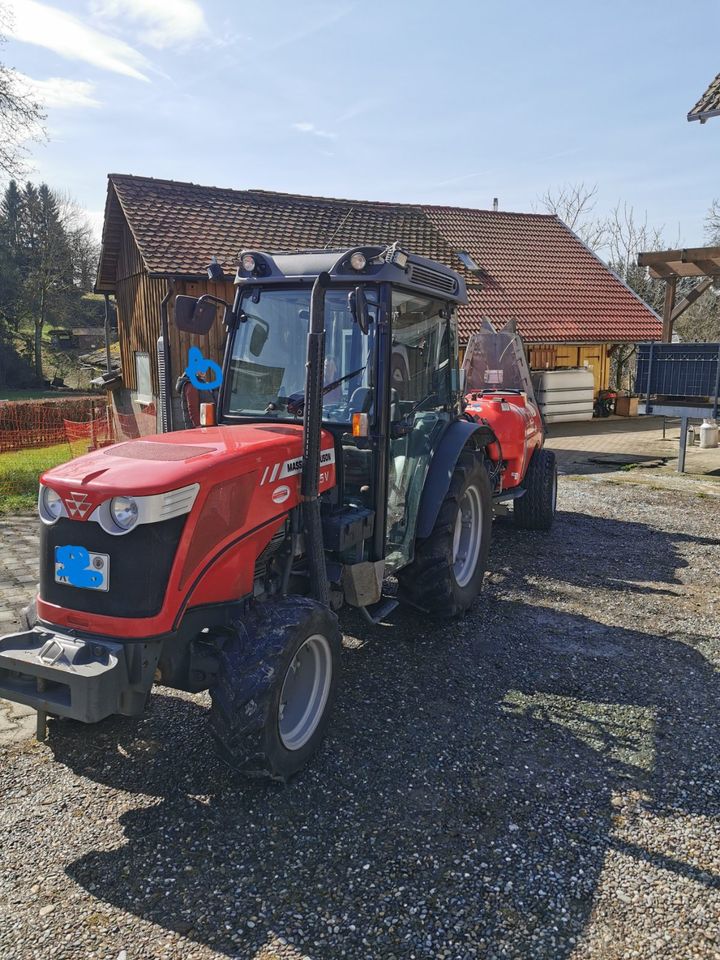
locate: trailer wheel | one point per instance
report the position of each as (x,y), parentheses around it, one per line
(275,688)
(535,510)
(449,566)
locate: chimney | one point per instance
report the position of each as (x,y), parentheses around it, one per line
(495,204)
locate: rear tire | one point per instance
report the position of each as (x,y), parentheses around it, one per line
(535,510)
(274,692)
(449,566)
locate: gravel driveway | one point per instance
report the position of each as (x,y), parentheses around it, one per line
(539,780)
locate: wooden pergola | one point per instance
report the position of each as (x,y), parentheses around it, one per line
(671,265)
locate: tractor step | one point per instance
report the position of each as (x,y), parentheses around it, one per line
(513,494)
(377,612)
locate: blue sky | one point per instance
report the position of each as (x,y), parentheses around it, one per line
(454,102)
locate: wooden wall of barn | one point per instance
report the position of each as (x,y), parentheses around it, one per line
(212,344)
(594,356)
(139,299)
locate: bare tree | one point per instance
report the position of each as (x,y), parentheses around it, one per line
(712,223)
(20,115)
(575,204)
(626,237)
(84,248)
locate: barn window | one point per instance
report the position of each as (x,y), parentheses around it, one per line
(143,378)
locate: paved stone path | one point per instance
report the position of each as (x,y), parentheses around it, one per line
(577,445)
(18,579)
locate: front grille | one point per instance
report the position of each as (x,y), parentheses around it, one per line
(140,564)
(434,279)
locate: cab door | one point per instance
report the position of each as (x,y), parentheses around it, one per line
(422,348)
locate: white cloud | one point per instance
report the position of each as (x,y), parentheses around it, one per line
(306,127)
(66,35)
(164,23)
(58,91)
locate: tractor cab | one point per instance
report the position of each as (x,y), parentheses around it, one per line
(388,375)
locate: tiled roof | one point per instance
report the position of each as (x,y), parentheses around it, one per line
(537,270)
(534,268)
(709,103)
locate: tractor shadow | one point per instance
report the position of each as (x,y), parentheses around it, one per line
(462,802)
(595,553)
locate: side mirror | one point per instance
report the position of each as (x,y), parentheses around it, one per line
(358,306)
(193,315)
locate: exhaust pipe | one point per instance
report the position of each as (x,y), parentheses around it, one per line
(312,428)
(164,365)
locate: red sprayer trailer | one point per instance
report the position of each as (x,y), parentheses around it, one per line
(215,558)
(500,395)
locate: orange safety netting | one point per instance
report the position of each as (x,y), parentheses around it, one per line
(87,436)
(29,438)
(27,425)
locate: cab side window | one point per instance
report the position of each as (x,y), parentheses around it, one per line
(420,356)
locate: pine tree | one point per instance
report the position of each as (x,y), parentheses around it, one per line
(47,258)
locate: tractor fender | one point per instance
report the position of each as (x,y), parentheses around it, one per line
(442,467)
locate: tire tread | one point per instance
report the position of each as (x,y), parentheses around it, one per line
(535,510)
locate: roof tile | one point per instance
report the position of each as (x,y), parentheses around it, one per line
(709,103)
(534,268)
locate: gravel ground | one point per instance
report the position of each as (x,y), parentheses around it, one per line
(540,780)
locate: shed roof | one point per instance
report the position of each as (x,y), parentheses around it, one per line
(709,103)
(689,262)
(532,267)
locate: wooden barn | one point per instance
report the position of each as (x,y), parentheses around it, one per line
(159,236)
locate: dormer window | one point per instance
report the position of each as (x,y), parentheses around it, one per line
(467,261)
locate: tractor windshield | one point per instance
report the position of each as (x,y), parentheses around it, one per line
(495,360)
(267,363)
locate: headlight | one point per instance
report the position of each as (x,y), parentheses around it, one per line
(50,504)
(124,511)
(358,261)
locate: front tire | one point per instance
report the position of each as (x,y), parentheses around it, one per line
(449,566)
(535,510)
(274,692)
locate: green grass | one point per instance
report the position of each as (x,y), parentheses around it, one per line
(19,472)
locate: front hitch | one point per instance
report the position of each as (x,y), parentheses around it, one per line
(83,679)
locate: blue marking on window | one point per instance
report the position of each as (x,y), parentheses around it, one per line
(198,364)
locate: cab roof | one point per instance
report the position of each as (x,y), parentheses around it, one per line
(418,273)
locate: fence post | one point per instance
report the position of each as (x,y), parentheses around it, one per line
(93,443)
(649,372)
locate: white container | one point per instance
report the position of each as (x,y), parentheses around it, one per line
(708,434)
(564,395)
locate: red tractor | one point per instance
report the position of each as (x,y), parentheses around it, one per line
(214,558)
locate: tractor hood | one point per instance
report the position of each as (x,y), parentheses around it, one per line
(164,462)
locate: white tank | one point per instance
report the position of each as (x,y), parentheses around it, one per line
(564,395)
(708,434)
